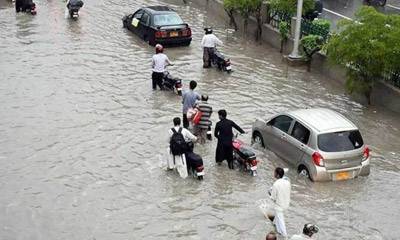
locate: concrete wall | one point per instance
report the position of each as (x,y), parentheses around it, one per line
(383,94)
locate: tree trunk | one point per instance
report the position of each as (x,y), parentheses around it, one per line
(245,24)
(282,44)
(259,24)
(368,95)
(232,20)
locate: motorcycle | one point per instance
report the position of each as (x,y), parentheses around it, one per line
(32,9)
(73,8)
(189,162)
(195,164)
(314,13)
(221,62)
(26,6)
(245,156)
(171,83)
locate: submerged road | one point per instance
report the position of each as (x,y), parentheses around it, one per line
(82,136)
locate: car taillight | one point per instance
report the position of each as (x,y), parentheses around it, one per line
(366,153)
(187,32)
(254,162)
(161,34)
(318,159)
(200,169)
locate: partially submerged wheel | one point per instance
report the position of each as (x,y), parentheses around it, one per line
(258,139)
(303,171)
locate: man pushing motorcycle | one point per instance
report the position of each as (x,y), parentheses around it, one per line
(209,44)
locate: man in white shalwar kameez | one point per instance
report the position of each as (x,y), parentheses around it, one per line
(280,195)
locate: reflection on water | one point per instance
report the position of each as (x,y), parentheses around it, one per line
(81,133)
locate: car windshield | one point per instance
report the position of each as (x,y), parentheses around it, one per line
(340,141)
(167,19)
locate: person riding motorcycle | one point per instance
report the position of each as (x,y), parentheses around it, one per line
(159,62)
(209,44)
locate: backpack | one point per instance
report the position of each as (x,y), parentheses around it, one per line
(178,144)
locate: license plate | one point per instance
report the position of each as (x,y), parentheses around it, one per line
(200,174)
(179,89)
(173,34)
(228,68)
(253,168)
(342,175)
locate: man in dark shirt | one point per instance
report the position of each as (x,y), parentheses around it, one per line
(223,132)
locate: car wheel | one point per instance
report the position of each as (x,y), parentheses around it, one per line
(382,3)
(258,139)
(303,171)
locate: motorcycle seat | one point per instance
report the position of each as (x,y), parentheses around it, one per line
(246,153)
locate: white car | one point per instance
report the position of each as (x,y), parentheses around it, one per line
(320,143)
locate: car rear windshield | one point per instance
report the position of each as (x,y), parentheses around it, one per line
(340,141)
(167,19)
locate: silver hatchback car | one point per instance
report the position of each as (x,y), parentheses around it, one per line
(320,143)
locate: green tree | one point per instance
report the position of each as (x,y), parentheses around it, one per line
(289,7)
(311,44)
(284,32)
(367,47)
(245,8)
(230,7)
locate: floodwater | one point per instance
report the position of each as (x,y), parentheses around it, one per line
(82,136)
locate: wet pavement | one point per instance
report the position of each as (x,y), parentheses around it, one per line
(346,9)
(82,136)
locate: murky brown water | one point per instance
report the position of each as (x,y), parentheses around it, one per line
(81,133)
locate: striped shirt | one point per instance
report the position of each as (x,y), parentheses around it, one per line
(206,109)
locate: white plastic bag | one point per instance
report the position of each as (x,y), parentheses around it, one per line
(266,206)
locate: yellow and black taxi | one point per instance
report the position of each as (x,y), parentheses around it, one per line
(159,24)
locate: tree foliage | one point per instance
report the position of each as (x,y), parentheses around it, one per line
(245,9)
(368,47)
(289,7)
(284,32)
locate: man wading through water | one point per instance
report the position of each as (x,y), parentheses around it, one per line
(209,43)
(205,123)
(159,62)
(189,99)
(280,195)
(223,132)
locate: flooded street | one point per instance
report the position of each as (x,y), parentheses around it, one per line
(82,135)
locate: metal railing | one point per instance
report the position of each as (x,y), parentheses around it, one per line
(275,18)
(308,28)
(393,78)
